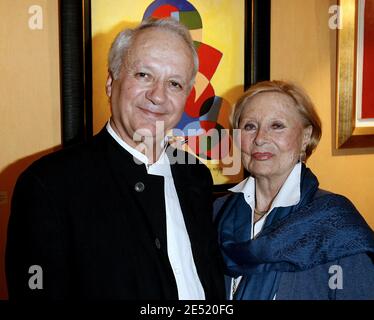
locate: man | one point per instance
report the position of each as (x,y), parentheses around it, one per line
(90,222)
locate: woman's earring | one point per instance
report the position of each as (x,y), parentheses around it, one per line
(302,157)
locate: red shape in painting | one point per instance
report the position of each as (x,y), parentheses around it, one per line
(193,107)
(209,58)
(164,11)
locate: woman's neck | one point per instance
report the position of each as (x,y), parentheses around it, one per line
(266,189)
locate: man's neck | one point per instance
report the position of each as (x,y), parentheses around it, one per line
(148,146)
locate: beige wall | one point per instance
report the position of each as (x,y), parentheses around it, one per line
(30,97)
(303,49)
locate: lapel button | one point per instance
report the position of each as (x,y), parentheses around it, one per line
(158,243)
(139,187)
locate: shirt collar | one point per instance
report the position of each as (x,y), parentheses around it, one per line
(160,168)
(288,195)
(247,187)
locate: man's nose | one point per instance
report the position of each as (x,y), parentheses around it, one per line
(156,93)
(261,136)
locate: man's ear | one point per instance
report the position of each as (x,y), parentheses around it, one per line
(108,85)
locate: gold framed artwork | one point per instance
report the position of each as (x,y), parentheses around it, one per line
(355,75)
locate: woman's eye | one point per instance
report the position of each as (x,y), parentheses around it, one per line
(278,125)
(249,127)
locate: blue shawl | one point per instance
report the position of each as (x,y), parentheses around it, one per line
(321,228)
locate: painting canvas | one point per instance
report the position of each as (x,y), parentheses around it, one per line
(218,31)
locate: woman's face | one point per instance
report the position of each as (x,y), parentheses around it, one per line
(272,135)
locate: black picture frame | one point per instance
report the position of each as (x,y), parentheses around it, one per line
(75,71)
(76,63)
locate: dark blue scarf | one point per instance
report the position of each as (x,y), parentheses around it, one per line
(321,228)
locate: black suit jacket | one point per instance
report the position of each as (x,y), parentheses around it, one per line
(78,215)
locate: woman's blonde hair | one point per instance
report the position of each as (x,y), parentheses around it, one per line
(302,103)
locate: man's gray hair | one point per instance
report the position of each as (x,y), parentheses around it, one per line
(125,38)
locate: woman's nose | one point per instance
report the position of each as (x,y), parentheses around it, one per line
(261,137)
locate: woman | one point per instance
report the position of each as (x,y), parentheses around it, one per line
(281,236)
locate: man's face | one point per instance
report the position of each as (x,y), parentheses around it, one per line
(153,85)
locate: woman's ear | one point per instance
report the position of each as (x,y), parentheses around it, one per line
(307,135)
(108,85)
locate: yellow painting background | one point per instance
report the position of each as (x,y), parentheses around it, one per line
(223,29)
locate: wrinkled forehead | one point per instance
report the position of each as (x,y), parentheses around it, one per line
(275,97)
(159,38)
(161,45)
(271,104)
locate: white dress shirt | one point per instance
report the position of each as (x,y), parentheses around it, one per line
(178,241)
(288,195)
